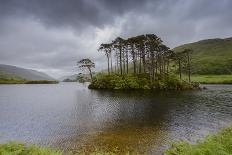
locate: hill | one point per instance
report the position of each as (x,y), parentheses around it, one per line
(76,78)
(212,56)
(70,77)
(8,72)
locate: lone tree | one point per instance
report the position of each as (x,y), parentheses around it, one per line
(86,63)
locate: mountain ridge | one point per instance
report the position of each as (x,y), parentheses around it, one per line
(22,73)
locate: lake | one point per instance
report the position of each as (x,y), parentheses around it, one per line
(69,116)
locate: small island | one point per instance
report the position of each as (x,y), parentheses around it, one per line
(142,62)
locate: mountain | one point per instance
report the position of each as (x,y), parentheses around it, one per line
(211,56)
(13,72)
(70,77)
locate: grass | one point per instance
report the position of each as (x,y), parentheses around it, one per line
(212,79)
(212,56)
(13,148)
(11,81)
(218,144)
(17,81)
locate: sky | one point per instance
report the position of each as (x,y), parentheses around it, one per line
(52,35)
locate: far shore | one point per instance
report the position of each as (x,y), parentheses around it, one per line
(212,79)
(27,82)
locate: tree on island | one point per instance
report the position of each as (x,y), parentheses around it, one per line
(147,52)
(143,62)
(183,59)
(86,63)
(107,50)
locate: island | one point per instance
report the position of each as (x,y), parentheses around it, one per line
(142,62)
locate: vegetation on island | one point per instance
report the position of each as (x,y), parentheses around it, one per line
(154,65)
(139,81)
(219,144)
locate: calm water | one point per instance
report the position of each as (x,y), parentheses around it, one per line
(69,116)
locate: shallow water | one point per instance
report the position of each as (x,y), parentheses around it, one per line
(69,116)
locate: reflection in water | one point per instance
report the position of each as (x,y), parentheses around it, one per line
(71,117)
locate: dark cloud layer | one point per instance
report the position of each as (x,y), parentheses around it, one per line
(50,35)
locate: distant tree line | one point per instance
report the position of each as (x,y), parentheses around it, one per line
(145,54)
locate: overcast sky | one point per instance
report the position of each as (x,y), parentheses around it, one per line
(51,35)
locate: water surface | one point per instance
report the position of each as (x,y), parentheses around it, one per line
(69,116)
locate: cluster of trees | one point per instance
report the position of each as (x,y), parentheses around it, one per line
(147,54)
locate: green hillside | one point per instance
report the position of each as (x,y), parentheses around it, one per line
(212,56)
(15,75)
(6,78)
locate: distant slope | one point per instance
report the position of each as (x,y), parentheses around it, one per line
(70,77)
(212,56)
(13,72)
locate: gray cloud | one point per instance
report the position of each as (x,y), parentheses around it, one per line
(51,35)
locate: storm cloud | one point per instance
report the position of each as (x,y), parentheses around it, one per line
(51,35)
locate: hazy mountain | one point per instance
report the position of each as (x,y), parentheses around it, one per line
(70,77)
(22,73)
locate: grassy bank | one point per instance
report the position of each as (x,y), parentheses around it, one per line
(13,148)
(218,144)
(17,81)
(11,81)
(41,82)
(212,79)
(140,81)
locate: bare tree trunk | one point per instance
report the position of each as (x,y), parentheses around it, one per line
(140,63)
(124,63)
(111,62)
(164,66)
(108,63)
(90,72)
(152,66)
(134,62)
(115,67)
(160,66)
(134,59)
(127,62)
(180,69)
(144,62)
(120,59)
(189,68)
(168,66)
